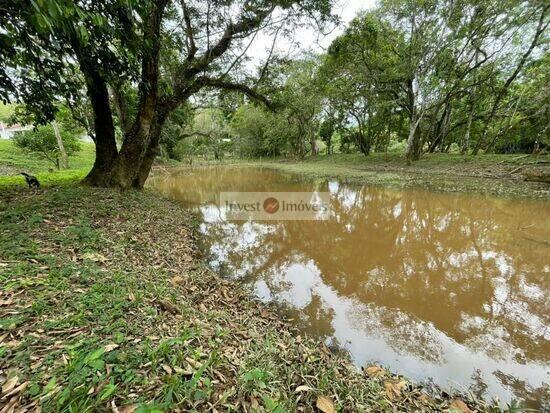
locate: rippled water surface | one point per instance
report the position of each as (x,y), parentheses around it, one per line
(452,288)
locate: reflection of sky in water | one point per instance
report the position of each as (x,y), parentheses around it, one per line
(432,285)
(240,236)
(360,329)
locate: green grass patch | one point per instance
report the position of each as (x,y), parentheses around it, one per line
(492,173)
(13,161)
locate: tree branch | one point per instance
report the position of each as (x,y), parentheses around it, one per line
(192,48)
(246,24)
(238,87)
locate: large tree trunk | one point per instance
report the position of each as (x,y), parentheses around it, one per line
(467,137)
(105,143)
(145,168)
(445,130)
(314,149)
(364,144)
(440,130)
(123,169)
(128,162)
(412,152)
(152,150)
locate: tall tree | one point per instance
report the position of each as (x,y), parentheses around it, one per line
(172,50)
(444,65)
(362,80)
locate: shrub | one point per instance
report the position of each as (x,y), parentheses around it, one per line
(42,141)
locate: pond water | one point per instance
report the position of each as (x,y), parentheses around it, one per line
(449,288)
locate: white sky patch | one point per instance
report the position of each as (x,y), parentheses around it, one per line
(307,37)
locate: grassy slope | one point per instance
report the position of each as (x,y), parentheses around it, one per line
(104,305)
(484,173)
(13,161)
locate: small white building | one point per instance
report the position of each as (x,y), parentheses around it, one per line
(6,132)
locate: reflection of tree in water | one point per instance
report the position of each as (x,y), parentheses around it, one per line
(534,398)
(314,316)
(448,260)
(414,263)
(405,334)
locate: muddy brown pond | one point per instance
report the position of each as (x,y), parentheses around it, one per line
(445,288)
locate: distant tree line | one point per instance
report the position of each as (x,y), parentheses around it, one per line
(414,76)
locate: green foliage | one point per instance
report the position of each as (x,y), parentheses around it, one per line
(256,378)
(205,134)
(527,127)
(397,146)
(292,128)
(67,122)
(251,126)
(38,41)
(42,142)
(361,78)
(412,70)
(173,131)
(6,111)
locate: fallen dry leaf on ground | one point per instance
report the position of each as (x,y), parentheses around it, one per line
(10,406)
(254,405)
(325,404)
(393,391)
(17,390)
(183,372)
(177,280)
(94,257)
(10,384)
(194,363)
(302,388)
(168,307)
(375,371)
(424,398)
(110,347)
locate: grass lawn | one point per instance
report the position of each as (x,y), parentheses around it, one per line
(13,161)
(495,174)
